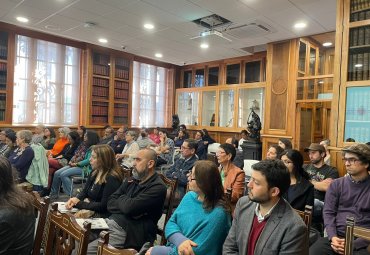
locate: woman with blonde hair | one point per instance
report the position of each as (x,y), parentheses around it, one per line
(106,177)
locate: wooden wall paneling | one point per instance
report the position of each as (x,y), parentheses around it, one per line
(10,78)
(85,82)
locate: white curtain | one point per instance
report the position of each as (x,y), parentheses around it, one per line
(152,96)
(46,83)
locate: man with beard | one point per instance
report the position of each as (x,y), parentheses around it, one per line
(321,176)
(136,206)
(264,223)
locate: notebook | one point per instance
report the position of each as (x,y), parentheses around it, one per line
(96,223)
(62,208)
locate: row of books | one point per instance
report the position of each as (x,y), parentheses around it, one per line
(100,82)
(358,5)
(361,15)
(359,36)
(122,74)
(101,70)
(121,85)
(120,94)
(359,67)
(2,115)
(99,119)
(121,112)
(99,110)
(2,66)
(99,59)
(2,104)
(3,51)
(358,106)
(360,134)
(2,80)
(120,120)
(100,91)
(122,62)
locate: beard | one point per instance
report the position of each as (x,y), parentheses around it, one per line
(140,175)
(261,200)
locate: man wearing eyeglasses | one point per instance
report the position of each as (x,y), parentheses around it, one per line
(347,196)
(183,165)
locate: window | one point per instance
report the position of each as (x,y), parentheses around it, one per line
(46,83)
(152,96)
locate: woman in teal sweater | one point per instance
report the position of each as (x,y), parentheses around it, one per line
(202,221)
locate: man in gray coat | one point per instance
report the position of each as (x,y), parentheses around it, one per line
(264,223)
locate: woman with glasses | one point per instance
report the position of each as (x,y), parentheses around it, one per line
(301,191)
(202,221)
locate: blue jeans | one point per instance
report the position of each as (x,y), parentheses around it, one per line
(62,176)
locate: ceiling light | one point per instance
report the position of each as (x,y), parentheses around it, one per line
(158,55)
(327,44)
(22,19)
(204,45)
(358,65)
(103,40)
(300,25)
(148,26)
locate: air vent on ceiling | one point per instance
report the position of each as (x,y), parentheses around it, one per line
(212,21)
(251,29)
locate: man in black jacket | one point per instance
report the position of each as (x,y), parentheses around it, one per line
(136,206)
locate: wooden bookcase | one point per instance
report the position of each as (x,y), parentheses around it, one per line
(110,89)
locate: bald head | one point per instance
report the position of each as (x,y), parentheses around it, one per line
(144,164)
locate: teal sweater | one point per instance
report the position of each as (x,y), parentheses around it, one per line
(85,163)
(206,228)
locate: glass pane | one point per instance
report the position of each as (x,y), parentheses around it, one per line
(312,61)
(250,99)
(208,108)
(187,105)
(187,79)
(3,76)
(199,78)
(213,76)
(252,71)
(359,54)
(302,59)
(2,106)
(3,45)
(357,123)
(315,89)
(226,108)
(233,74)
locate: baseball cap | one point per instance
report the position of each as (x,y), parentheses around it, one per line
(315,147)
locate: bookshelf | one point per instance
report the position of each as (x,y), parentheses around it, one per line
(3,74)
(110,88)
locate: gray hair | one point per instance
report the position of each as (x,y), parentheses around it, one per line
(132,133)
(64,130)
(26,135)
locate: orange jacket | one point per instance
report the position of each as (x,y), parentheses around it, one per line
(234,179)
(58,146)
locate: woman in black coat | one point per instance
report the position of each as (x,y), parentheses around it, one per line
(301,191)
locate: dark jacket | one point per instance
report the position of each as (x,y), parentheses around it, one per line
(137,208)
(98,194)
(118,145)
(202,150)
(68,151)
(180,170)
(22,161)
(16,232)
(300,194)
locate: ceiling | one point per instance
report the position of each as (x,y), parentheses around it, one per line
(121,23)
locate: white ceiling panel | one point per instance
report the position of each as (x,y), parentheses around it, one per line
(94,6)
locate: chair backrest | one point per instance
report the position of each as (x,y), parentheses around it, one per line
(354,231)
(229,192)
(306,217)
(42,206)
(64,231)
(168,205)
(213,147)
(105,249)
(248,166)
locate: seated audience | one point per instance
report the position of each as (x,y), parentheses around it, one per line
(10,143)
(38,133)
(136,206)
(78,165)
(60,143)
(207,138)
(274,152)
(165,149)
(155,135)
(202,149)
(244,138)
(180,138)
(285,144)
(129,151)
(182,127)
(202,220)
(2,139)
(108,135)
(21,158)
(264,223)
(326,144)
(38,171)
(321,175)
(239,157)
(183,165)
(232,176)
(347,196)
(105,179)
(48,138)
(81,130)
(17,218)
(119,142)
(301,191)
(350,140)
(144,141)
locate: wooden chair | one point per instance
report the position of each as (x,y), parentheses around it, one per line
(229,192)
(354,231)
(63,232)
(42,206)
(306,216)
(168,204)
(105,249)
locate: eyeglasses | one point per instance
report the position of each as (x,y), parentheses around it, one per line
(287,162)
(193,179)
(184,148)
(350,160)
(220,152)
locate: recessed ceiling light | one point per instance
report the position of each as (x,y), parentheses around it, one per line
(300,25)
(103,40)
(358,65)
(22,19)
(158,55)
(327,44)
(148,26)
(204,45)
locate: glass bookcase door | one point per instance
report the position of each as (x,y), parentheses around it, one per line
(357,117)
(187,79)
(302,59)
(359,54)
(187,108)
(252,71)
(208,108)
(199,78)
(250,98)
(213,73)
(233,74)
(226,108)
